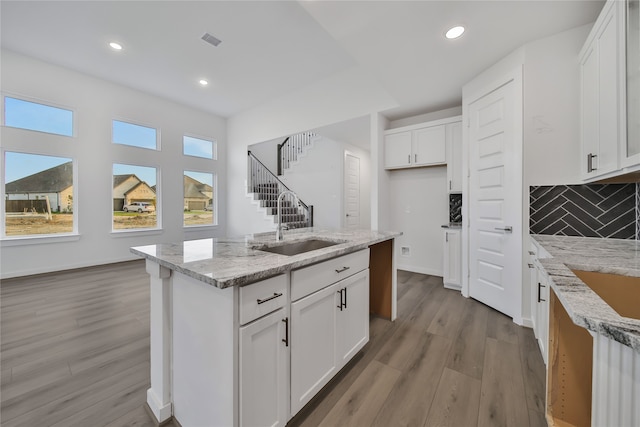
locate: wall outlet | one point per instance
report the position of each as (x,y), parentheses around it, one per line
(405,251)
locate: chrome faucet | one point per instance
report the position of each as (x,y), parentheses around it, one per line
(279,229)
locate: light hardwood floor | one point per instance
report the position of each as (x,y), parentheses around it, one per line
(75,352)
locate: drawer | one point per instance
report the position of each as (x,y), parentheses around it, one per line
(262,298)
(307,280)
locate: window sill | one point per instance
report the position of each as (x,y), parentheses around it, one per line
(37,240)
(136,232)
(199,227)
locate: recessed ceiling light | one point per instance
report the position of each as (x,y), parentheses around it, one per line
(454,33)
(115,46)
(203,82)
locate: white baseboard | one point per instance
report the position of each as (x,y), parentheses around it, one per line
(421,270)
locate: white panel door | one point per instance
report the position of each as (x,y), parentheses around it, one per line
(352,191)
(264,392)
(430,146)
(495,199)
(352,305)
(313,345)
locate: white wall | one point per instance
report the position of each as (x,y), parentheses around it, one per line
(419,205)
(343,96)
(318,178)
(552,109)
(267,153)
(96,102)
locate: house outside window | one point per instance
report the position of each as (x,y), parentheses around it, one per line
(134,197)
(39,194)
(199,200)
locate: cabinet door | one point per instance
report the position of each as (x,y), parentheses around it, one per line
(397,150)
(352,305)
(313,345)
(429,146)
(264,371)
(589,119)
(454,157)
(542,315)
(452,260)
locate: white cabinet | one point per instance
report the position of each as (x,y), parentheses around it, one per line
(602,101)
(264,368)
(454,157)
(352,320)
(313,345)
(452,277)
(329,322)
(429,146)
(539,300)
(424,144)
(397,150)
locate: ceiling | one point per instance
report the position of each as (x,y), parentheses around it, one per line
(273,48)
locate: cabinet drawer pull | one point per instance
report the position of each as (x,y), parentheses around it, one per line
(540,285)
(275,295)
(285,340)
(530,265)
(342,269)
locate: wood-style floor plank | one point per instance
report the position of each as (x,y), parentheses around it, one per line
(74,351)
(456,401)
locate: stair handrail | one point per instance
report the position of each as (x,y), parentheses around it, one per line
(289,149)
(259,173)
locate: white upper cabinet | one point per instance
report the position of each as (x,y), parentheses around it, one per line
(630,150)
(602,89)
(454,157)
(424,144)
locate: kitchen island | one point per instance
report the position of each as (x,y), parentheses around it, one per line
(594,330)
(247,330)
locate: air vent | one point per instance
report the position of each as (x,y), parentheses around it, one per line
(211,40)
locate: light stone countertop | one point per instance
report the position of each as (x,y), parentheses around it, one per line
(225,262)
(584,306)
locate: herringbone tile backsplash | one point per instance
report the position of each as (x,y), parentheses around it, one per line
(594,210)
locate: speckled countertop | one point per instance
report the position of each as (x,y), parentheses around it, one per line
(225,262)
(583,305)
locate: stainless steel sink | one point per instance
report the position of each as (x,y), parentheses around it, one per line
(297,247)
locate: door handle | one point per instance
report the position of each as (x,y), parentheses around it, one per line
(507,229)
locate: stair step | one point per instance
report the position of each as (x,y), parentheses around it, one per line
(286,219)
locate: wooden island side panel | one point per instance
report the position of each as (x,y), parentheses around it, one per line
(381,279)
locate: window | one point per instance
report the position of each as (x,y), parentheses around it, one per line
(135,135)
(40,117)
(134,197)
(38,194)
(199,147)
(199,206)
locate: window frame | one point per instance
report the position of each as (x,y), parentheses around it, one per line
(214,186)
(39,101)
(214,146)
(140,231)
(16,240)
(158,147)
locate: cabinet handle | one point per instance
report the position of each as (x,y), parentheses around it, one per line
(285,340)
(590,167)
(540,285)
(341,302)
(342,269)
(531,253)
(530,265)
(449,184)
(415,158)
(262,301)
(345,298)
(409,158)
(507,229)
(446,236)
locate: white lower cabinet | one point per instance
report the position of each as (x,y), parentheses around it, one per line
(452,276)
(264,367)
(328,328)
(313,345)
(539,300)
(352,321)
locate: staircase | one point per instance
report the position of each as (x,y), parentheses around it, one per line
(266,187)
(293,147)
